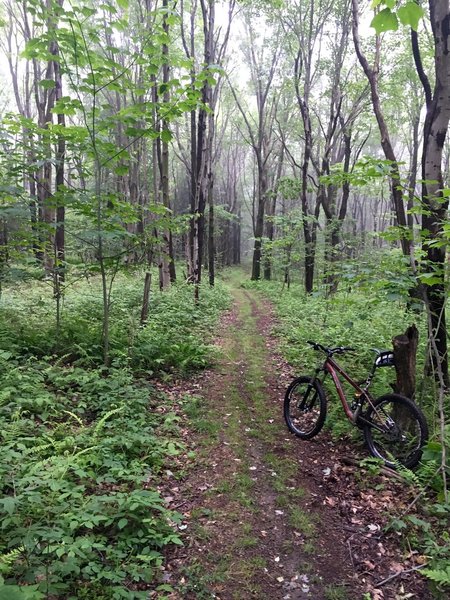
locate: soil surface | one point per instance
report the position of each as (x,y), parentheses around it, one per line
(265,514)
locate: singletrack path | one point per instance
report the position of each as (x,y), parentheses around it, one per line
(269,516)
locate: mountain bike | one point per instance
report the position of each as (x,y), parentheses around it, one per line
(395,429)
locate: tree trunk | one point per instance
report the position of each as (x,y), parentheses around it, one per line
(435,205)
(405,350)
(145,299)
(211,234)
(259,223)
(59,268)
(388,148)
(167,262)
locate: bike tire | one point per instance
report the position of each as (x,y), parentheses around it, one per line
(405,431)
(307,421)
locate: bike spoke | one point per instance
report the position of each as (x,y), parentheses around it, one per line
(396,431)
(305,407)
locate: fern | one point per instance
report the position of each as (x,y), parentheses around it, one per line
(38,449)
(60,464)
(7,560)
(76,417)
(441,576)
(410,476)
(57,445)
(105,417)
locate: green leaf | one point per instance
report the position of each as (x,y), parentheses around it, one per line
(11,592)
(122,523)
(87,12)
(123,3)
(121,170)
(166,136)
(410,14)
(47,84)
(8,504)
(385,20)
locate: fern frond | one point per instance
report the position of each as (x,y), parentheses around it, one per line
(105,417)
(37,449)
(7,560)
(441,576)
(74,416)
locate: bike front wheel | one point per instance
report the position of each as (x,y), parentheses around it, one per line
(395,431)
(305,407)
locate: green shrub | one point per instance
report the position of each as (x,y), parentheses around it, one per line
(83,446)
(75,497)
(172,340)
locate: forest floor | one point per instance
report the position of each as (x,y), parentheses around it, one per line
(267,515)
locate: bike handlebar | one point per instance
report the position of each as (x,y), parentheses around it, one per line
(330,351)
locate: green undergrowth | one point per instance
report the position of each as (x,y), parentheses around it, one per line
(81,452)
(359,318)
(84,447)
(172,340)
(366,317)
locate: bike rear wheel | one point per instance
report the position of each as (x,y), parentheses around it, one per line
(305,407)
(397,431)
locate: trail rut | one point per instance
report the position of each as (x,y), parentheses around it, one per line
(268,516)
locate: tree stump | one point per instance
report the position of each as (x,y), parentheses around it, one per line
(405,350)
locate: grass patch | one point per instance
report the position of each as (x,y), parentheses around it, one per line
(302,522)
(335,592)
(199,581)
(247,542)
(200,418)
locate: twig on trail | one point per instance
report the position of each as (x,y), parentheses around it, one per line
(350,550)
(348,460)
(395,575)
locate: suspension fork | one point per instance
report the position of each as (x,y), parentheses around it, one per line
(310,387)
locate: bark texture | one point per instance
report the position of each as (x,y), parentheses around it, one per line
(405,350)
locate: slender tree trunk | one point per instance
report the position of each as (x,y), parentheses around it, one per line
(145,299)
(388,149)
(59,267)
(211,233)
(435,205)
(259,222)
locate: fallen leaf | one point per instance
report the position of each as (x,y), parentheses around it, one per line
(396,567)
(330,501)
(401,595)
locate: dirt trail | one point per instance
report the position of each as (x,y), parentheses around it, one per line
(267,515)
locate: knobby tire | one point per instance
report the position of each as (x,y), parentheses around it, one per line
(404,431)
(305,417)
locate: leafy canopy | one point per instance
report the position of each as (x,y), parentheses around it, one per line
(388,18)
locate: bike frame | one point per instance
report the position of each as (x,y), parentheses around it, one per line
(333,368)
